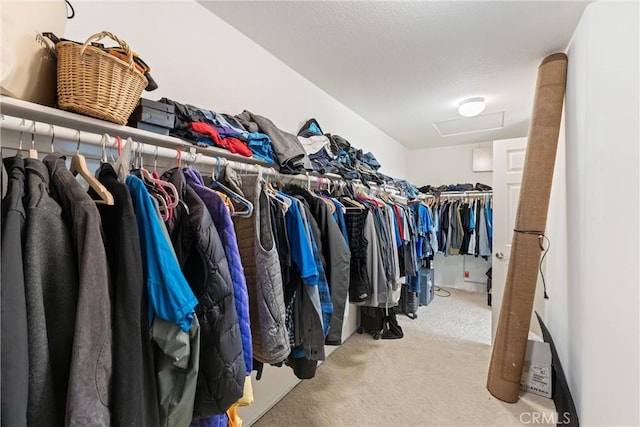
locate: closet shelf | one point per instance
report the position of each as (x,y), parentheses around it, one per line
(67,124)
(40,113)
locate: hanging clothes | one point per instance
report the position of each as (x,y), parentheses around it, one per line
(374,265)
(323,286)
(51,290)
(472,227)
(394,283)
(202,259)
(484,249)
(263,276)
(222,219)
(134,392)
(15,357)
(465,219)
(175,329)
(489,215)
(88,397)
(224,225)
(337,256)
(306,321)
(359,283)
(462,227)
(456,229)
(410,253)
(303,358)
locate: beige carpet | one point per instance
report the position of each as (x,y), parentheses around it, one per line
(435,376)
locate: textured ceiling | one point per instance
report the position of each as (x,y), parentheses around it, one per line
(406,65)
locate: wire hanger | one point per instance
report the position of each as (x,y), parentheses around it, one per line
(19,144)
(155,160)
(217,185)
(53,137)
(105,138)
(79,166)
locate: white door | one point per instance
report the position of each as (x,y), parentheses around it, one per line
(508,162)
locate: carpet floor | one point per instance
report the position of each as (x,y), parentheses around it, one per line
(434,376)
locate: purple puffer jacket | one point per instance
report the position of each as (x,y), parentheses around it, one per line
(222,220)
(216,421)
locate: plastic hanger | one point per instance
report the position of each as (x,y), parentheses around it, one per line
(124,159)
(33,153)
(216,185)
(273,193)
(79,166)
(173,198)
(323,197)
(283,199)
(53,137)
(157,187)
(351,204)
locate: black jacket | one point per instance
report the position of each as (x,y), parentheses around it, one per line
(15,367)
(134,400)
(202,259)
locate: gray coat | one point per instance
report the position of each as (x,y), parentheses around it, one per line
(287,148)
(51,280)
(90,375)
(264,277)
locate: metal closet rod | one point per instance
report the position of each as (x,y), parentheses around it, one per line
(466,193)
(457,194)
(60,132)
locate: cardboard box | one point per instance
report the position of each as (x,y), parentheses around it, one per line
(536,373)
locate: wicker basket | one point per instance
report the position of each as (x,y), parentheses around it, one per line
(95,83)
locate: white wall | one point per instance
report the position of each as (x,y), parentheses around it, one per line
(447,165)
(452,165)
(199,59)
(592,267)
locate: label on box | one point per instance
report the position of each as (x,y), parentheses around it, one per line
(536,379)
(536,372)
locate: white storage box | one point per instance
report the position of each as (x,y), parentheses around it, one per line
(536,373)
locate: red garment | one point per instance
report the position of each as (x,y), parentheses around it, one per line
(230,143)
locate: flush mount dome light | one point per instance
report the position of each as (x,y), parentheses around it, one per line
(471,107)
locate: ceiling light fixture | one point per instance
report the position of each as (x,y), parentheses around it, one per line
(471,107)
